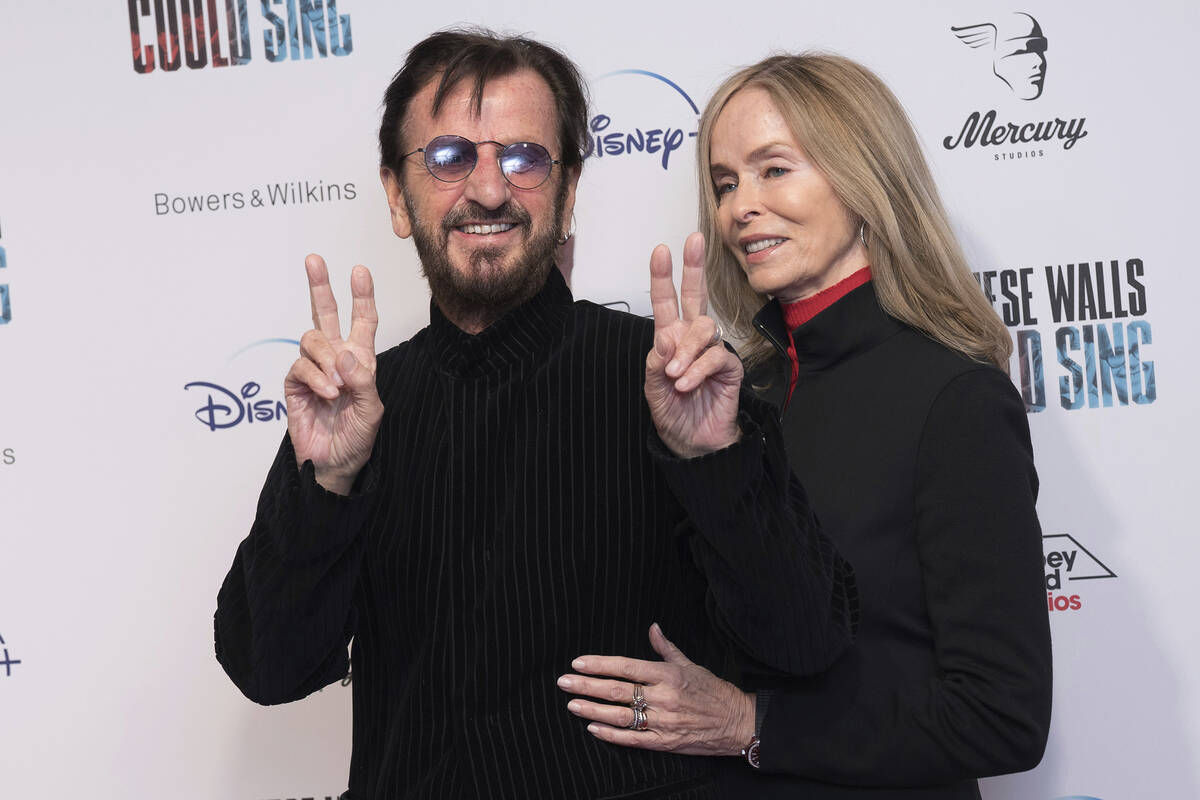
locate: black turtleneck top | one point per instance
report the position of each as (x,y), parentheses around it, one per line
(917,462)
(517,512)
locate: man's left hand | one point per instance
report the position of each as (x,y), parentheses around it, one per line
(692,381)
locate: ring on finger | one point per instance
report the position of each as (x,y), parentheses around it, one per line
(640,720)
(718,334)
(639,697)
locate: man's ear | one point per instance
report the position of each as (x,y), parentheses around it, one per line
(401,223)
(571,176)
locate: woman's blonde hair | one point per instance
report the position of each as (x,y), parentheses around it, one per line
(855,131)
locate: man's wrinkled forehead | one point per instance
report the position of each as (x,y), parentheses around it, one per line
(432,97)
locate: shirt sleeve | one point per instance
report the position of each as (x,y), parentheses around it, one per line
(285,610)
(777,587)
(986,709)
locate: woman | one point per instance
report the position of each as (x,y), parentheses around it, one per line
(906,433)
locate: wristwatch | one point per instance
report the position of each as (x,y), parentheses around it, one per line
(750,751)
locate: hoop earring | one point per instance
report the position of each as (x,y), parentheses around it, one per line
(862,233)
(566,237)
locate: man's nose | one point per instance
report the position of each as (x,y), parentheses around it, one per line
(486,184)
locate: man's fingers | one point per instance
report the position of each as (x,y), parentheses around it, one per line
(316,347)
(696,339)
(320,293)
(693,288)
(663,300)
(716,362)
(364,320)
(304,373)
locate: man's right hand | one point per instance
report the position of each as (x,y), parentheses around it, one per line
(333,405)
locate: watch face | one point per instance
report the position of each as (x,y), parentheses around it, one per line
(752,754)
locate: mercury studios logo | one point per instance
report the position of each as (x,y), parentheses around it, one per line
(204,33)
(1015,50)
(242,402)
(1067,561)
(7,662)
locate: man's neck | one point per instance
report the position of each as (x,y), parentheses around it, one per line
(474,319)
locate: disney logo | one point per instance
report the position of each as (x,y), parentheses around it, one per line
(667,140)
(225,409)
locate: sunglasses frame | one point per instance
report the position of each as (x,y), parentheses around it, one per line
(503,148)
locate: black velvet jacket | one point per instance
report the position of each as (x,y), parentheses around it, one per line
(512,517)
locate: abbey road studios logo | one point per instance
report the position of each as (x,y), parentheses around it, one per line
(1067,561)
(1013,49)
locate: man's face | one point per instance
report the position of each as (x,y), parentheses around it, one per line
(485,245)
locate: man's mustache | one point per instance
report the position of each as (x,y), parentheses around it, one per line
(473,212)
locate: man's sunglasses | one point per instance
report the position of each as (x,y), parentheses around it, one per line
(525,165)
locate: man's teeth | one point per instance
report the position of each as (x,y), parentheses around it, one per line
(487,229)
(762,244)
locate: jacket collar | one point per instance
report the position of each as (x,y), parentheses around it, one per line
(853,324)
(527,332)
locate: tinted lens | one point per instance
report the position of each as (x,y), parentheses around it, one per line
(526,165)
(450,158)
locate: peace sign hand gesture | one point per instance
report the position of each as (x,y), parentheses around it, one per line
(692,382)
(333,405)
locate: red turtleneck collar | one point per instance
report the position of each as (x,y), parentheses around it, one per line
(797,313)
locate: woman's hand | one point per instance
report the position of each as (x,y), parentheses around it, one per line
(692,381)
(688,709)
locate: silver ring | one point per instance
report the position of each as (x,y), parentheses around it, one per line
(639,698)
(640,721)
(718,334)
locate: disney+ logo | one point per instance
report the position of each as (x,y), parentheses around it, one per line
(7,662)
(225,408)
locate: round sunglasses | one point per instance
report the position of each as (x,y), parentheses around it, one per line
(525,165)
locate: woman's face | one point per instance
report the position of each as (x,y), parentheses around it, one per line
(777,213)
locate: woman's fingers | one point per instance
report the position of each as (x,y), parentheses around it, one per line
(304,373)
(665,647)
(616,716)
(599,688)
(631,670)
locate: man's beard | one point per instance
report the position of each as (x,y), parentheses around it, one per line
(486,287)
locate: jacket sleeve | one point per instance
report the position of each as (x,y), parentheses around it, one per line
(777,588)
(285,610)
(986,710)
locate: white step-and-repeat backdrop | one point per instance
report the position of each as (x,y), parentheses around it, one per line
(157,197)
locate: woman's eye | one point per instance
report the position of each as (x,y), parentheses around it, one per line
(775,172)
(725,187)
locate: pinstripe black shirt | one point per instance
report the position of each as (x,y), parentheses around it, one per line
(515,513)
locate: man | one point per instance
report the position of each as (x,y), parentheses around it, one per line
(480,505)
